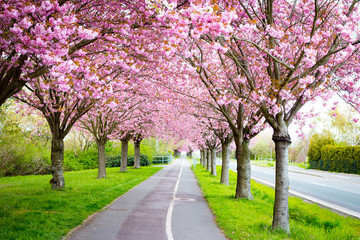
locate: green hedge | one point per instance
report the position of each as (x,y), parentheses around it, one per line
(324,155)
(316,143)
(337,159)
(81,161)
(115,161)
(340,159)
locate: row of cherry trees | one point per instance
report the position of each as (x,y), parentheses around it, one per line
(212,72)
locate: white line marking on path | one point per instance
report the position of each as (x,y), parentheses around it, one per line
(342,177)
(171,207)
(320,184)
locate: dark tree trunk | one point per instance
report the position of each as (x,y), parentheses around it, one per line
(225,148)
(213,161)
(281,206)
(243,169)
(201,157)
(101,158)
(137,154)
(124,154)
(208,165)
(57,159)
(190,154)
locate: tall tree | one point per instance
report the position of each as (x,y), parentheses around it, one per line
(104,120)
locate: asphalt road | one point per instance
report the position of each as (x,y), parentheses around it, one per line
(334,190)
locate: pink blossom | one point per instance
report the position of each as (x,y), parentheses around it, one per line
(25,23)
(304,39)
(275,32)
(16,29)
(64,87)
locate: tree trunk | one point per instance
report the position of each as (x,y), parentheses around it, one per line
(225,148)
(243,169)
(208,164)
(101,158)
(205,159)
(190,154)
(124,154)
(57,159)
(137,154)
(213,162)
(201,156)
(281,206)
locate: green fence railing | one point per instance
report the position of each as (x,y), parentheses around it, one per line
(162,159)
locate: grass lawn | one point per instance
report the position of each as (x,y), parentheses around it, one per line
(264,163)
(244,219)
(29,209)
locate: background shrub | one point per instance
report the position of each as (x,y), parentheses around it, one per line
(340,159)
(115,161)
(23,160)
(314,153)
(81,161)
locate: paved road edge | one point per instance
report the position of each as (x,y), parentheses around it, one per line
(340,210)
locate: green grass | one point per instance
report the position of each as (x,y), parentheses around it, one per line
(267,163)
(244,219)
(304,165)
(29,209)
(264,163)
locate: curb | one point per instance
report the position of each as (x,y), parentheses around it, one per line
(340,210)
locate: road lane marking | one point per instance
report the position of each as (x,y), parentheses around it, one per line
(185,199)
(171,206)
(342,177)
(320,184)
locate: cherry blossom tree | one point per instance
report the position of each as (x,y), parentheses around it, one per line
(61,110)
(105,119)
(303,46)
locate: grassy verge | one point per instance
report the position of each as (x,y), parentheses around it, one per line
(267,163)
(29,209)
(244,219)
(264,163)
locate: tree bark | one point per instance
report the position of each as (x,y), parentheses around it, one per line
(205,159)
(225,149)
(201,156)
(208,165)
(281,206)
(57,159)
(124,154)
(137,154)
(213,161)
(243,169)
(101,158)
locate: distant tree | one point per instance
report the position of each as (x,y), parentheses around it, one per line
(345,126)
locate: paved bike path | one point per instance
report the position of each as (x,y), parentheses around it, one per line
(169,205)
